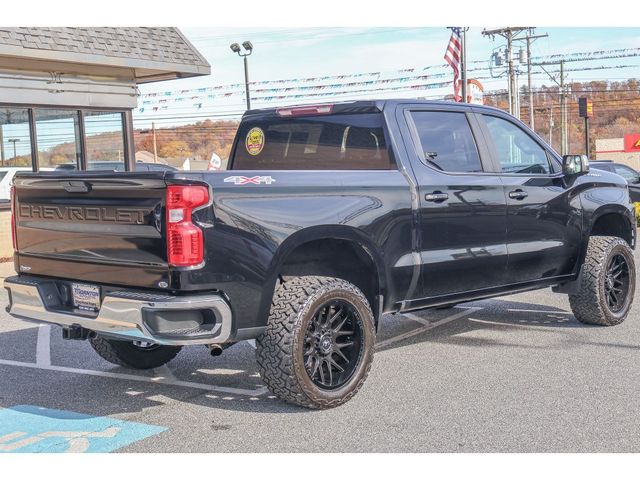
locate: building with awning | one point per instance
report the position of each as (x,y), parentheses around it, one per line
(67,95)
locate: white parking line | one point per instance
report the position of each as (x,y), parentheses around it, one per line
(416,318)
(43,347)
(165,372)
(136,378)
(428,325)
(524,310)
(162,375)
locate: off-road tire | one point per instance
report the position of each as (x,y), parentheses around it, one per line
(128,355)
(589,304)
(279,350)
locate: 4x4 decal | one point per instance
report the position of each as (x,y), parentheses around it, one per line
(257,180)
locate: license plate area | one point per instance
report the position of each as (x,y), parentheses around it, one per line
(85,297)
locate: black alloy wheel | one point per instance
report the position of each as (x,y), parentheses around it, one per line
(616,284)
(333,344)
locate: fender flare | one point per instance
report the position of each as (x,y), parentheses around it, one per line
(323,232)
(590,221)
(608,209)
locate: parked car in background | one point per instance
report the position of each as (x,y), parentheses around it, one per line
(629,174)
(6,176)
(154,167)
(119,166)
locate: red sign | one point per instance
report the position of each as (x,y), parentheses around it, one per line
(632,142)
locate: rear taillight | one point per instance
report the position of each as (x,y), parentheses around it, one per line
(185,243)
(14,238)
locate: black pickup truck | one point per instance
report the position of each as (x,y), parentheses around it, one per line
(330,217)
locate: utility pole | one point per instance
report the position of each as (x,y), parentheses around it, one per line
(14,141)
(529,38)
(1,145)
(155,145)
(563,103)
(531,116)
(551,125)
(510,34)
(512,78)
(563,112)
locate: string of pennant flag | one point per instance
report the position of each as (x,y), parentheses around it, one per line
(153,105)
(170,96)
(289,80)
(375,77)
(267,98)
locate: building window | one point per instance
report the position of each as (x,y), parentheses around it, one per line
(58,139)
(15,137)
(104,140)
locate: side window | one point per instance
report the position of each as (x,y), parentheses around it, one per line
(517,151)
(446,141)
(625,172)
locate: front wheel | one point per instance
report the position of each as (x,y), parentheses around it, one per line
(607,283)
(318,345)
(136,355)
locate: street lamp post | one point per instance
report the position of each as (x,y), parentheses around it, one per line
(14,141)
(248,46)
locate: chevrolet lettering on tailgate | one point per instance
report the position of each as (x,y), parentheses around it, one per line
(83,214)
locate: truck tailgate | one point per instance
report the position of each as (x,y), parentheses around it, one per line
(103,227)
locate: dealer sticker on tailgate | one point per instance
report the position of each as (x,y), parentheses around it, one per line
(86,297)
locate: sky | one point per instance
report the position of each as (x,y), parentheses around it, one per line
(288,53)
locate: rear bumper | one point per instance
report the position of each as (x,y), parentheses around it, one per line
(126,314)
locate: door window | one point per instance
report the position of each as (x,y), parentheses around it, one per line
(446,141)
(517,151)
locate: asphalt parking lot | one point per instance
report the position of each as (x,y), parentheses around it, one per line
(513,374)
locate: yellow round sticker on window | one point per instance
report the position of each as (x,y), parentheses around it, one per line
(255,141)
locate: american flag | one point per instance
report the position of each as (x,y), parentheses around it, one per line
(452,57)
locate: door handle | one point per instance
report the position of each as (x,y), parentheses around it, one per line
(436,196)
(518,194)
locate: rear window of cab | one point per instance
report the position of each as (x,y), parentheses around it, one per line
(331,142)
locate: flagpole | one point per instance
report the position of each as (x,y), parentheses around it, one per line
(463,64)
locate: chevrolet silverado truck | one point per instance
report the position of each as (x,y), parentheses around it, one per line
(329,216)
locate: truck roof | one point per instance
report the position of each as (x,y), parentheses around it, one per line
(363,106)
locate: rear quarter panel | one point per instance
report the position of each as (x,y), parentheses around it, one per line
(256,225)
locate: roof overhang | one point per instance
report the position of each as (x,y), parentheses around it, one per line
(143,71)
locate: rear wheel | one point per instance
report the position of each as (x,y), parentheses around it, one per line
(136,355)
(318,346)
(607,283)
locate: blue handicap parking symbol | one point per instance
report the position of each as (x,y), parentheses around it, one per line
(32,429)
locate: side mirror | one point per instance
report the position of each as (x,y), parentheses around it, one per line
(573,165)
